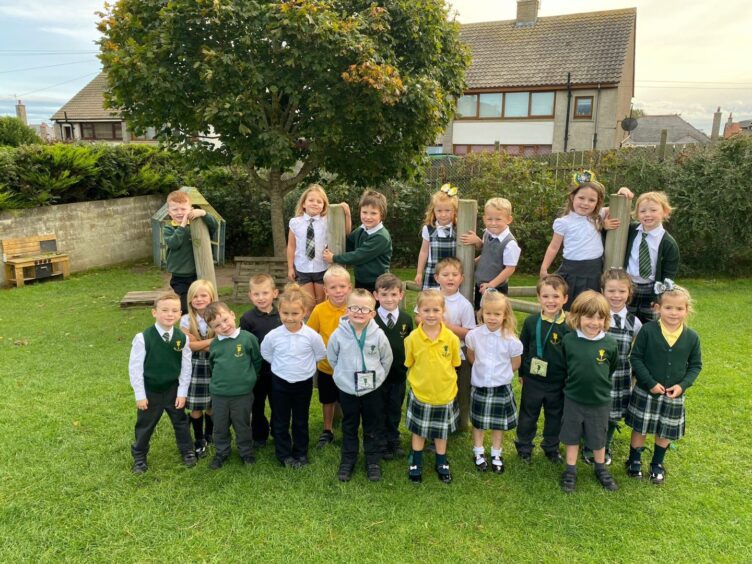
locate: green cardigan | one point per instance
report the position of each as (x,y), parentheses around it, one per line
(369,254)
(667,264)
(655,362)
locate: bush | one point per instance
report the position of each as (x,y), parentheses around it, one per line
(14,132)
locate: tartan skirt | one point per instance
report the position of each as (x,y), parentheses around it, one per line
(199,398)
(641,303)
(661,416)
(581,275)
(431,421)
(621,391)
(493,408)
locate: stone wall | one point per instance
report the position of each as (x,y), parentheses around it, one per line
(94,234)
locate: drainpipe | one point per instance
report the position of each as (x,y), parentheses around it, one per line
(569,106)
(596,109)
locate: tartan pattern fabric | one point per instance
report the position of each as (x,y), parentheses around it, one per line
(644,257)
(621,380)
(493,408)
(310,249)
(661,416)
(199,398)
(431,421)
(440,248)
(642,302)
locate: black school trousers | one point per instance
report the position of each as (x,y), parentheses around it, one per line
(147,420)
(369,409)
(259,423)
(292,402)
(394,397)
(537,395)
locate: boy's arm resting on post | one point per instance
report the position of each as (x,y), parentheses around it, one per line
(471,238)
(136,371)
(371,248)
(184,380)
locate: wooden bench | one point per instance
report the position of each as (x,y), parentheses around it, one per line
(33,258)
(245,267)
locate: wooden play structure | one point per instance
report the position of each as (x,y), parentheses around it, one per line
(33,258)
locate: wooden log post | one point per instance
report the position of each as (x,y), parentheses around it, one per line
(467,220)
(335,223)
(202,253)
(616,239)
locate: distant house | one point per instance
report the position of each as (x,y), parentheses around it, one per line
(679,132)
(541,85)
(84,118)
(731,128)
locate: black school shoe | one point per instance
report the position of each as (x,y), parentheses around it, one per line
(415,473)
(302,461)
(606,480)
(480,463)
(634,469)
(139,467)
(345,472)
(373,472)
(248,459)
(555,457)
(657,474)
(442,470)
(189,459)
(525,457)
(217,463)
(568,481)
(326,437)
(497,465)
(199,447)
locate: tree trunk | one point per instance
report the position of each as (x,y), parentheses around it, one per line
(276,199)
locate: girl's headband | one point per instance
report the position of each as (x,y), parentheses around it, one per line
(666,286)
(583,176)
(448,189)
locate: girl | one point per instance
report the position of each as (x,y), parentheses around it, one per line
(432,354)
(617,289)
(292,349)
(666,359)
(307,240)
(200,294)
(495,353)
(580,232)
(653,254)
(438,234)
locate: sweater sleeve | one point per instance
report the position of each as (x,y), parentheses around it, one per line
(670,260)
(174,236)
(637,359)
(694,365)
(526,352)
(332,349)
(211,225)
(371,247)
(385,352)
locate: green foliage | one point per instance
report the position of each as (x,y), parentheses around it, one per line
(14,133)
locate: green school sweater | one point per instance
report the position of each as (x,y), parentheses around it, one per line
(655,362)
(371,255)
(234,365)
(590,365)
(180,261)
(553,352)
(403,326)
(163,360)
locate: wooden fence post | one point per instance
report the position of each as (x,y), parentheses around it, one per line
(467,219)
(662,145)
(616,239)
(202,252)
(336,228)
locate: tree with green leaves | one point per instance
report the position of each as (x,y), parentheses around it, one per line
(355,87)
(14,132)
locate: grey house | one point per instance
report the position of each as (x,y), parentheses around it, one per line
(679,132)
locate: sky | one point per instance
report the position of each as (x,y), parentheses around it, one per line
(692,56)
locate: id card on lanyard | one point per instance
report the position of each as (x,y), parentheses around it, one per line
(365,380)
(538,366)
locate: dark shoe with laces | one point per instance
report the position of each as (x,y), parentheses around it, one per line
(606,480)
(248,459)
(415,473)
(634,469)
(139,467)
(289,462)
(480,463)
(555,457)
(373,472)
(657,474)
(442,470)
(345,472)
(302,461)
(497,465)
(568,482)
(189,459)
(217,463)
(326,437)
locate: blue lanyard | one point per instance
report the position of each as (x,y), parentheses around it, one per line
(541,346)
(361,343)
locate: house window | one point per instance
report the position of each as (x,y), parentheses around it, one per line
(467,106)
(503,105)
(516,104)
(102,131)
(542,104)
(583,107)
(490,105)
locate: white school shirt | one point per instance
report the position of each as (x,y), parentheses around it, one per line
(493,357)
(633,266)
(512,251)
(293,356)
(459,311)
(582,241)
(203,327)
(598,337)
(384,312)
(299,228)
(379,227)
(623,317)
(136,364)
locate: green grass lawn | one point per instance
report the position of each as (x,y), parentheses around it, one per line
(68,493)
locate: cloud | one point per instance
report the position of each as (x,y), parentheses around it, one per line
(88,33)
(54,11)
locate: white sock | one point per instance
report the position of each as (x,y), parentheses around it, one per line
(479,451)
(495,452)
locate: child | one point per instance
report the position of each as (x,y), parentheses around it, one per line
(432,353)
(500,252)
(258,321)
(543,370)
(666,359)
(292,349)
(235,361)
(591,357)
(369,248)
(617,289)
(495,353)
(160,373)
(200,294)
(308,239)
(653,253)
(396,325)
(361,356)
(438,234)
(177,237)
(580,232)
(324,320)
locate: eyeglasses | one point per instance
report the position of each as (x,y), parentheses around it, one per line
(359,309)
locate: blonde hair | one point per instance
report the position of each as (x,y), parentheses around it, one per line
(194,289)
(336,271)
(659,198)
(262,278)
(509,323)
(179,197)
(293,293)
(678,291)
(164,296)
(591,304)
(600,192)
(312,188)
(361,293)
(618,275)
(500,204)
(430,296)
(447,262)
(440,198)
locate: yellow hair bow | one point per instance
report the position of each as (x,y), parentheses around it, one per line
(448,189)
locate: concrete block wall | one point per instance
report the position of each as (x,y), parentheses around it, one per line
(94,234)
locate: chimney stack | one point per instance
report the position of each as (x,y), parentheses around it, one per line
(527,12)
(21,112)
(716,131)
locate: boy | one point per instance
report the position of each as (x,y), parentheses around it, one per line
(259,321)
(361,356)
(369,248)
(160,373)
(500,252)
(542,371)
(396,325)
(324,320)
(235,361)
(177,237)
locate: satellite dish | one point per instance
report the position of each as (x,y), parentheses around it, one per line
(629,124)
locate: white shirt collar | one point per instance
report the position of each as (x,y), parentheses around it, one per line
(233,336)
(163,330)
(655,233)
(500,236)
(598,337)
(452,297)
(309,217)
(374,230)
(383,312)
(487,331)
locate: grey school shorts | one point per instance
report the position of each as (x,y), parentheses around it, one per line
(588,421)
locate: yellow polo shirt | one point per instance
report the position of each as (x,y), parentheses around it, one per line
(324,320)
(430,365)
(671,336)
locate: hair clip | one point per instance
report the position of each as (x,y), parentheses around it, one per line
(448,189)
(583,176)
(666,286)
(490,290)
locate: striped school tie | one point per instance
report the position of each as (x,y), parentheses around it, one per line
(166,337)
(389,320)
(310,247)
(644,256)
